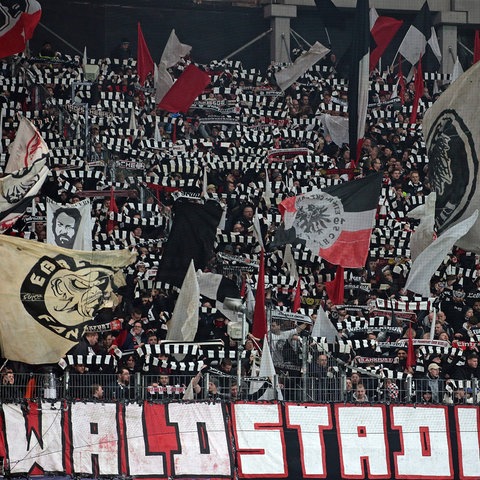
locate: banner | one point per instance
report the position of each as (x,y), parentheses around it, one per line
(50,294)
(70,226)
(242,440)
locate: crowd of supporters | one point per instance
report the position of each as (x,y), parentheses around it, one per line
(108,133)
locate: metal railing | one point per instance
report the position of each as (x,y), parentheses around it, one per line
(325,386)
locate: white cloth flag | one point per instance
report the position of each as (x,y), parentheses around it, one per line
(174,51)
(290,74)
(426,264)
(423,235)
(267,369)
(70,226)
(183,325)
(163,82)
(323,327)
(27,147)
(336,127)
(457,70)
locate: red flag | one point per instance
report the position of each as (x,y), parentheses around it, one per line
(336,288)
(185,90)
(145,65)
(382,30)
(418,91)
(476,47)
(112,209)
(296,299)
(411,360)
(18,27)
(259,329)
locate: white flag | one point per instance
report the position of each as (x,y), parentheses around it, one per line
(457,70)
(426,264)
(290,74)
(27,147)
(183,325)
(163,82)
(267,370)
(174,51)
(323,327)
(70,226)
(422,237)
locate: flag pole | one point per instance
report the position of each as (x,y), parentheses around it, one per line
(243,47)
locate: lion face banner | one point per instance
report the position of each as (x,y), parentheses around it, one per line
(50,294)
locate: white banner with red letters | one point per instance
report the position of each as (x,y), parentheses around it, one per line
(241,440)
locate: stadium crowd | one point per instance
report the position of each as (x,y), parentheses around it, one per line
(247,145)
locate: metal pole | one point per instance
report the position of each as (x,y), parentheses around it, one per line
(251,42)
(60,38)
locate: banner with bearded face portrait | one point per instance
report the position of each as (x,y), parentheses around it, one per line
(70,226)
(50,294)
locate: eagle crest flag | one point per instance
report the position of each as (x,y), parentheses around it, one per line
(336,222)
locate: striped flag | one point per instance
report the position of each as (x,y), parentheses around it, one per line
(336,222)
(358,82)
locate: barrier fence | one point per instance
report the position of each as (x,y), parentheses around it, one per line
(330,388)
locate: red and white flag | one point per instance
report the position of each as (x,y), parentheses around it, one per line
(27,147)
(19,20)
(382,30)
(336,222)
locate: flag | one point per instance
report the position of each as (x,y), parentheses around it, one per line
(267,192)
(289,261)
(259,329)
(217,287)
(267,370)
(323,327)
(163,82)
(336,222)
(183,325)
(17,191)
(336,127)
(427,263)
(112,210)
(423,235)
(452,138)
(70,226)
(289,75)
(19,21)
(50,294)
(419,86)
(185,90)
(457,70)
(174,51)
(382,31)
(358,81)
(27,147)
(191,237)
(411,360)
(297,298)
(336,288)
(476,47)
(421,41)
(145,65)
(257,230)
